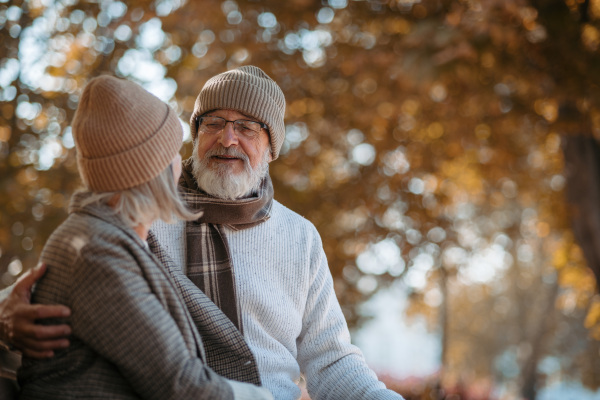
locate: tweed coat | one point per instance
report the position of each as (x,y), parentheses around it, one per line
(133,336)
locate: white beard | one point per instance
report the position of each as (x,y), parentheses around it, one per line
(218,180)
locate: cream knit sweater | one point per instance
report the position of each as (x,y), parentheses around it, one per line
(292,320)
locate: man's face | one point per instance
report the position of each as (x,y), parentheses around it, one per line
(253,148)
(228,164)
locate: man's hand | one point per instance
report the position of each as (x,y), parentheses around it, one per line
(18,316)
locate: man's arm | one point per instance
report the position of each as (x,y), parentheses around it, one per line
(334,368)
(18,327)
(18,316)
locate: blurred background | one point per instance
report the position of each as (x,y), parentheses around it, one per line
(447,152)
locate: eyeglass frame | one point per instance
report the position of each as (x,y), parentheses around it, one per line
(199,121)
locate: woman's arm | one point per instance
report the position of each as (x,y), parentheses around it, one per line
(116,313)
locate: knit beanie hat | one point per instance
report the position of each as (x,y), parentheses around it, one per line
(124,135)
(247,90)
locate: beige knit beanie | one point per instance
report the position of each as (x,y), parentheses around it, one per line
(249,91)
(124,135)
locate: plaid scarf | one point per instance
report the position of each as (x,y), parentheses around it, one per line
(209,264)
(222,346)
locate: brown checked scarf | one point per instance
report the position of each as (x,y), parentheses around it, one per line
(209,264)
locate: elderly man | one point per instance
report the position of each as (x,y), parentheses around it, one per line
(262,264)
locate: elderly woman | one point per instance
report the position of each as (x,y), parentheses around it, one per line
(132,334)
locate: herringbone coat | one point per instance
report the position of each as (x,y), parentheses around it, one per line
(133,335)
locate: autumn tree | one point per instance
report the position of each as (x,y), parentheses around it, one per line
(424,140)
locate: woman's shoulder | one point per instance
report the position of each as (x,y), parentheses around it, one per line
(82,234)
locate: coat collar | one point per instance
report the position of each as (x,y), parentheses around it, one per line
(102,212)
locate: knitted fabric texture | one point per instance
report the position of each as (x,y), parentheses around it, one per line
(124,135)
(249,91)
(292,320)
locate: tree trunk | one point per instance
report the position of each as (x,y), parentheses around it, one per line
(529,373)
(582,170)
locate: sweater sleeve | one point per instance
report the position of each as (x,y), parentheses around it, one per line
(334,368)
(115,312)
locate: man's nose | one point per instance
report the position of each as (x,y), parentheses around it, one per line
(228,136)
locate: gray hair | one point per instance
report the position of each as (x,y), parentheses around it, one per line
(155,199)
(219,182)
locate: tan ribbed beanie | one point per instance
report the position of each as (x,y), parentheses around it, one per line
(249,91)
(124,135)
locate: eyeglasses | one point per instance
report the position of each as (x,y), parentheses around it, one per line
(247,128)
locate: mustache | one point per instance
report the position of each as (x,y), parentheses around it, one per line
(227,151)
